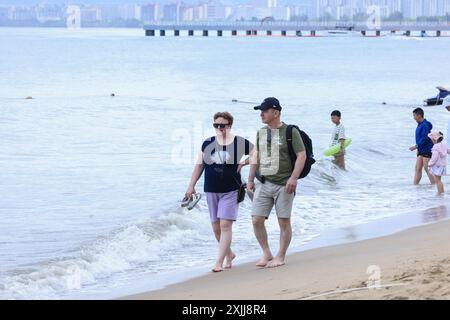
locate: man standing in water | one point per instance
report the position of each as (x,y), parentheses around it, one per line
(278,189)
(423,145)
(338,137)
(446,104)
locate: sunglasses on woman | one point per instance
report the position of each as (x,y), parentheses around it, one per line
(220,125)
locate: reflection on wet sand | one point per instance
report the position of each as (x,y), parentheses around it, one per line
(435,214)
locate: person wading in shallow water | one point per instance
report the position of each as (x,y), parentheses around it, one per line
(423,145)
(338,137)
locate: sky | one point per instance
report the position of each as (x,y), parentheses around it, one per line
(95,2)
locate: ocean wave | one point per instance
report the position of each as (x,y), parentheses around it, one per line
(122,249)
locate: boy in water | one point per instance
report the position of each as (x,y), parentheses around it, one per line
(338,137)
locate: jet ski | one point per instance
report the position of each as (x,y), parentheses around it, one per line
(443,92)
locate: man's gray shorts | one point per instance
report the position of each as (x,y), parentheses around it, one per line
(269,194)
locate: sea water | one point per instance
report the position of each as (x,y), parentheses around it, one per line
(90,184)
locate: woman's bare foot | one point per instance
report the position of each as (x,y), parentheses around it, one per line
(264,261)
(277,262)
(217,268)
(229,262)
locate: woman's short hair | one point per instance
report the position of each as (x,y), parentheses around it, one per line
(226,115)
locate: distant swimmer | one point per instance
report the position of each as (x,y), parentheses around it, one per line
(241,101)
(113,94)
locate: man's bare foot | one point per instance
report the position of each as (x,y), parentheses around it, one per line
(277,262)
(229,262)
(264,261)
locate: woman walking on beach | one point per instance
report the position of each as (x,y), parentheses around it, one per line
(438,162)
(221,157)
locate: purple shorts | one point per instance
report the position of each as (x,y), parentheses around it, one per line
(222,205)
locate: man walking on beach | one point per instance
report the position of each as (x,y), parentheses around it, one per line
(280,179)
(423,145)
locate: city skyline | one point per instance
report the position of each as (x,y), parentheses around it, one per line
(128,13)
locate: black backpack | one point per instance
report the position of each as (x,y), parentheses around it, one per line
(308,148)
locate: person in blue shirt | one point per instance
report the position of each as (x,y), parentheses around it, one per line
(423,145)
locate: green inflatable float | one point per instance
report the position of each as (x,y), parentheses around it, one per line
(337,148)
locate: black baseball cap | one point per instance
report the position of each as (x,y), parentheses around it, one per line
(269,103)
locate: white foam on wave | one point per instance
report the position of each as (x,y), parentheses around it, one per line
(123,249)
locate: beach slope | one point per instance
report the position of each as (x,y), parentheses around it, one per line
(412,264)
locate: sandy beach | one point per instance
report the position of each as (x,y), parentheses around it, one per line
(412,264)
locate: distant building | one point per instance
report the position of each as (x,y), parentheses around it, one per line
(272,4)
(395,6)
(281,13)
(110,13)
(244,12)
(412,8)
(443,7)
(23,13)
(188,14)
(199,13)
(214,10)
(307,8)
(91,14)
(130,12)
(48,12)
(430,8)
(172,12)
(4,14)
(150,13)
(262,12)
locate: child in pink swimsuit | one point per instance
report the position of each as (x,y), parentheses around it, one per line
(438,162)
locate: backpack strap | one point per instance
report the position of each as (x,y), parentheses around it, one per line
(258,175)
(290,145)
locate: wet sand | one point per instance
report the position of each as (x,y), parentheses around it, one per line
(411,264)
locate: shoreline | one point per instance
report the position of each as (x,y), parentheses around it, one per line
(345,248)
